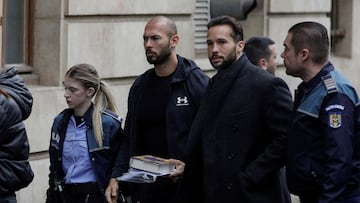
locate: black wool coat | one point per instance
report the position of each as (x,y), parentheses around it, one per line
(237,143)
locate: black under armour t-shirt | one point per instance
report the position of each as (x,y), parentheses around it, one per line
(152,117)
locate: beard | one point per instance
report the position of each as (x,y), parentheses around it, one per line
(159,58)
(230,59)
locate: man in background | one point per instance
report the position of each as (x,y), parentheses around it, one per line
(261,51)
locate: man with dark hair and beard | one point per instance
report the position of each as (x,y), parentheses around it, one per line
(161,106)
(237,142)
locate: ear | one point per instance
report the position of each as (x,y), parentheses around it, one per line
(262,64)
(90,91)
(174,40)
(240,46)
(305,54)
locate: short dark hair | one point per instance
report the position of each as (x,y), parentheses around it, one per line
(257,48)
(312,36)
(237,33)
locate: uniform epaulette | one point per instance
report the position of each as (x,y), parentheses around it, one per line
(112,114)
(329,83)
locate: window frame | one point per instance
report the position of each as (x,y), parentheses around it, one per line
(24,67)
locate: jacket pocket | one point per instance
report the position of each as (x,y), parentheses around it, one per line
(309,169)
(15,175)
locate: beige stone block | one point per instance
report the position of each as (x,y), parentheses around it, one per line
(36,191)
(186,32)
(48,102)
(204,64)
(355,30)
(116,48)
(254,24)
(299,6)
(47,46)
(123,7)
(349,67)
(48,9)
(120,93)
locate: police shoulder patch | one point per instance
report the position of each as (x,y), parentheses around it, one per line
(335,119)
(335,115)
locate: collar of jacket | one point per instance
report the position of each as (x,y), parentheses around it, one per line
(183,69)
(232,70)
(70,112)
(308,86)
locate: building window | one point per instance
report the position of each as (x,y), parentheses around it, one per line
(15,34)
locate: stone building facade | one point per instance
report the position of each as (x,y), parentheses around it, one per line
(56,34)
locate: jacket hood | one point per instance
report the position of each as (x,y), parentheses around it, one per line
(184,68)
(14,85)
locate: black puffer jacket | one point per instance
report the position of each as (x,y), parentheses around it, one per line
(15,106)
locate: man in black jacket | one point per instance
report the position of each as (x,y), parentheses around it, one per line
(261,52)
(15,107)
(237,142)
(161,106)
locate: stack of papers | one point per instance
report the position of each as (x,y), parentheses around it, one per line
(146,168)
(138,176)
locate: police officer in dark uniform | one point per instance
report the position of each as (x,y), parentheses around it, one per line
(323,164)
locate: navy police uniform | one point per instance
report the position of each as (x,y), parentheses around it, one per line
(114,150)
(322,160)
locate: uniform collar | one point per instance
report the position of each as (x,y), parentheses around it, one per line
(308,86)
(88,115)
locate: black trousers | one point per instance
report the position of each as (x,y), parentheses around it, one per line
(88,198)
(84,193)
(353,198)
(309,199)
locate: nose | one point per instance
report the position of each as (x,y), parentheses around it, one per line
(66,94)
(282,55)
(213,48)
(147,43)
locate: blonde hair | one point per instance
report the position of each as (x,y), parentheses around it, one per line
(88,76)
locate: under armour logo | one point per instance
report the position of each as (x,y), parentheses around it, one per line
(182,101)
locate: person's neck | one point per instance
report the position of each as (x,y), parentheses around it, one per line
(166,68)
(312,71)
(82,110)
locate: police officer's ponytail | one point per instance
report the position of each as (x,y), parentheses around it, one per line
(89,77)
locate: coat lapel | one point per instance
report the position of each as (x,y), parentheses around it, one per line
(220,86)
